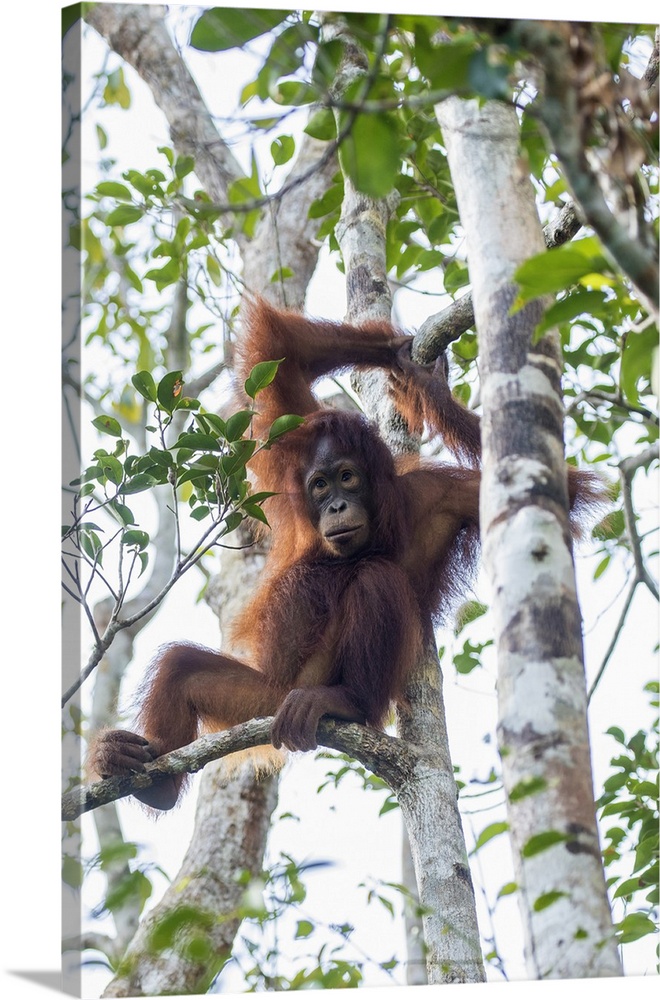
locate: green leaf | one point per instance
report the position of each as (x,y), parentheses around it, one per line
(489,79)
(580,302)
(322,125)
(184,166)
(113,189)
(142,481)
(213,420)
(116,91)
(260,497)
(282,425)
(282,274)
(470,658)
(123,513)
(612,526)
(329,202)
(194,475)
(124,215)
(556,269)
(493,830)
(112,469)
(303,929)
(617,733)
(634,926)
(527,786)
(72,872)
(169,389)
(223,28)
(508,889)
(145,385)
(295,93)
(253,510)
(237,424)
(282,149)
(107,425)
(140,539)
(134,888)
(166,275)
(242,452)
(546,900)
(232,521)
(444,66)
(541,842)
(198,441)
(371,154)
(261,375)
(91,545)
(388,805)
(199,513)
(627,887)
(602,566)
(637,361)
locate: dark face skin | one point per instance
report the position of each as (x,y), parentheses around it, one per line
(337,495)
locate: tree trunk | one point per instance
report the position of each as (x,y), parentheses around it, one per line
(428,800)
(236,807)
(542,731)
(181,944)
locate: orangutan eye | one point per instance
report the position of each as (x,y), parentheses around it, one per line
(319,484)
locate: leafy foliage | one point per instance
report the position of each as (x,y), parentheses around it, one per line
(630,798)
(205,465)
(282,947)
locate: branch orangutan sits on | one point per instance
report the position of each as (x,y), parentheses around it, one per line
(365,555)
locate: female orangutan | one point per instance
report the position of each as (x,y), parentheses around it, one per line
(365,555)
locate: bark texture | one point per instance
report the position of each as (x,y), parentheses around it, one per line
(428,795)
(185,960)
(543,735)
(235,809)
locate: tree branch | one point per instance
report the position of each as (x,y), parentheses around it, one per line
(388,757)
(567,115)
(140,36)
(627,469)
(438,331)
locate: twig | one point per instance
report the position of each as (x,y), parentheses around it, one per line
(615,639)
(627,469)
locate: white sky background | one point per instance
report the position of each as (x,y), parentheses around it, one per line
(31,855)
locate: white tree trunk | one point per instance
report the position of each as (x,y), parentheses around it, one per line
(233,812)
(225,842)
(542,730)
(428,799)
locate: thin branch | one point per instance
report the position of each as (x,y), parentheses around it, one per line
(389,757)
(614,640)
(627,469)
(117,625)
(566,120)
(89,940)
(439,330)
(596,396)
(140,36)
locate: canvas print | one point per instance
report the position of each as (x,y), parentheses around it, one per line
(359,511)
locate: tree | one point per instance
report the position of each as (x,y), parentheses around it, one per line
(356,144)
